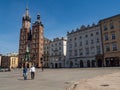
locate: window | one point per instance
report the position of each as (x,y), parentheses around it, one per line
(98,50)
(80,52)
(86,42)
(86,36)
(92,50)
(59,43)
(105,27)
(98,40)
(70,39)
(92,42)
(113,36)
(87,51)
(75,44)
(75,38)
(114,46)
(107,47)
(75,52)
(80,37)
(111,26)
(59,48)
(91,34)
(70,52)
(70,45)
(106,36)
(80,43)
(97,33)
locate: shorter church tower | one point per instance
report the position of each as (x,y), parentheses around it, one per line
(37,41)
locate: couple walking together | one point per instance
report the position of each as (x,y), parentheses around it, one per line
(32,71)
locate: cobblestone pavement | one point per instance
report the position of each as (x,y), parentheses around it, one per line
(50,79)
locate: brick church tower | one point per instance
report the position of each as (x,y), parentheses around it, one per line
(31,41)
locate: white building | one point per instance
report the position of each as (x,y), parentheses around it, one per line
(83,45)
(57,53)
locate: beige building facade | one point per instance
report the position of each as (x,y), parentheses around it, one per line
(9,62)
(110,30)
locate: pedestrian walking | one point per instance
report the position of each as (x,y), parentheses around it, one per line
(32,71)
(25,73)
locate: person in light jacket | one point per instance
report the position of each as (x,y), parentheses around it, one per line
(32,70)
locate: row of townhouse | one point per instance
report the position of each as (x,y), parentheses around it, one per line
(87,46)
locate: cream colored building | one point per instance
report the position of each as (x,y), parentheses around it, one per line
(110,29)
(9,61)
(83,45)
(57,52)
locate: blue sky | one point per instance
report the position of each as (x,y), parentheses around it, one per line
(58,17)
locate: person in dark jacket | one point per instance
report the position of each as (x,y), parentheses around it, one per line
(25,73)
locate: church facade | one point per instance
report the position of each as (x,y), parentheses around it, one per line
(31,41)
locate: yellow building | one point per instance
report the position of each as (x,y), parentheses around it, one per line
(110,30)
(13,61)
(9,61)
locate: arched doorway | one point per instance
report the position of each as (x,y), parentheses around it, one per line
(71,64)
(81,64)
(99,62)
(88,63)
(93,63)
(56,66)
(60,65)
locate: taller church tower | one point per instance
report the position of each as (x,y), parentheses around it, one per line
(24,35)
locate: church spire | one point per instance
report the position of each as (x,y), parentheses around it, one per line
(26,17)
(27,13)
